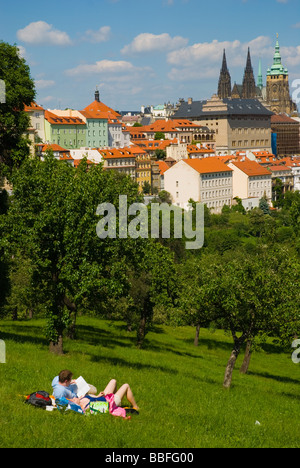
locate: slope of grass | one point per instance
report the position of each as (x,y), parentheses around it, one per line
(177,386)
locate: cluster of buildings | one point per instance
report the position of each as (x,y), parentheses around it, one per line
(240,143)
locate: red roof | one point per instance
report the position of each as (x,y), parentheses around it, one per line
(207,165)
(62,120)
(282,118)
(251,168)
(33,106)
(98,110)
(55,148)
(279,168)
(163,167)
(114,153)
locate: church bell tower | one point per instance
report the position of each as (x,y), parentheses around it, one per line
(278,90)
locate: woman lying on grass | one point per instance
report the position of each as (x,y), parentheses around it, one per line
(65,387)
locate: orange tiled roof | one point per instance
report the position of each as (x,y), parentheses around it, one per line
(163,167)
(290,161)
(151,145)
(33,106)
(282,118)
(59,120)
(279,168)
(265,154)
(195,149)
(96,108)
(165,126)
(251,168)
(118,153)
(55,148)
(207,165)
(78,161)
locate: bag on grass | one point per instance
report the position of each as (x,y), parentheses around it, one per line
(100,406)
(39,399)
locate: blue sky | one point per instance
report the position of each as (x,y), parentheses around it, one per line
(142,52)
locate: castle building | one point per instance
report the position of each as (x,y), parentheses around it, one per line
(277,89)
(224,86)
(249,87)
(247,90)
(275,96)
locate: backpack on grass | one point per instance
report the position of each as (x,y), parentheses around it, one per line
(39,399)
(100,406)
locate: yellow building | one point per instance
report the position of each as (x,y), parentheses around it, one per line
(142,165)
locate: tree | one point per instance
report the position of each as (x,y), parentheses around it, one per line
(4,263)
(146,187)
(152,284)
(196,279)
(256,296)
(165,197)
(278,194)
(160,154)
(52,221)
(159,136)
(19,91)
(264,206)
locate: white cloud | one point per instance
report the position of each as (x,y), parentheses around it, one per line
(40,32)
(206,52)
(147,42)
(103,66)
(102,35)
(42,84)
(203,60)
(111,71)
(22,51)
(194,74)
(290,56)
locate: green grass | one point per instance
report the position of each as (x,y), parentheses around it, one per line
(177,386)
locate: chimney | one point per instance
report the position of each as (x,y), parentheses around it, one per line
(97,95)
(190,101)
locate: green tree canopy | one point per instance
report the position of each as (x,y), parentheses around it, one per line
(52,221)
(19,91)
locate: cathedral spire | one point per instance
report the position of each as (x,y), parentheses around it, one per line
(260,83)
(277,67)
(249,86)
(224,86)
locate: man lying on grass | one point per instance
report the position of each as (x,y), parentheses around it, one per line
(65,387)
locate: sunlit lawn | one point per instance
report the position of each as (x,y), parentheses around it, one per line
(177,386)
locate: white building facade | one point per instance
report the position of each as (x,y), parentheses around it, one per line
(251,181)
(203,180)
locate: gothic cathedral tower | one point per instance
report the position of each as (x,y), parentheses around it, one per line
(224,87)
(278,90)
(249,86)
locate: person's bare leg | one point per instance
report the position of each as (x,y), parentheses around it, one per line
(111,387)
(125,390)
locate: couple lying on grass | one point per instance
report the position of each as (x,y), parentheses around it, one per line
(65,387)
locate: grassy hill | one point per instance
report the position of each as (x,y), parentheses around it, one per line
(177,386)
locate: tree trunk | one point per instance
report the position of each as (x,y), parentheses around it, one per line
(247,358)
(230,367)
(71,332)
(30,314)
(15,314)
(56,347)
(196,340)
(141,331)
